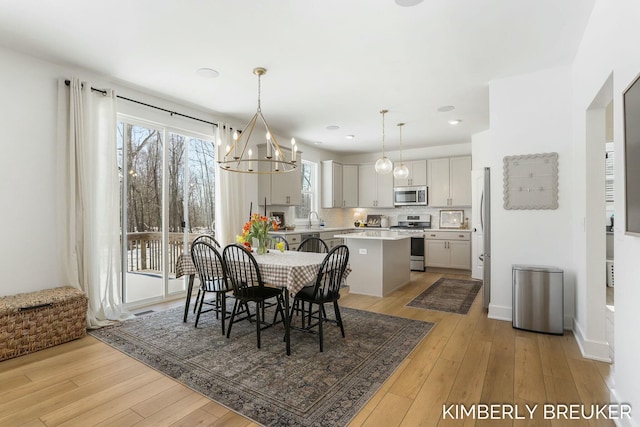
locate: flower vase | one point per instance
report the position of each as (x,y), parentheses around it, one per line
(262,246)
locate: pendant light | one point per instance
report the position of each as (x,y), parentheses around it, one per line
(383,164)
(401,171)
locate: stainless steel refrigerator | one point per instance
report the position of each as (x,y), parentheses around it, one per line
(485,224)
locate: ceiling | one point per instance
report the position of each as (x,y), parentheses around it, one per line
(329,62)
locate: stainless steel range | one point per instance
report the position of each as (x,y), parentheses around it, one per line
(414,224)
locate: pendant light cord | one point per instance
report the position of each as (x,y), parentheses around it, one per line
(383,112)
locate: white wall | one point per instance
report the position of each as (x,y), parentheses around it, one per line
(609,47)
(530,114)
(28,108)
(28,177)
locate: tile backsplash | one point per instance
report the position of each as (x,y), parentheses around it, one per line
(346,217)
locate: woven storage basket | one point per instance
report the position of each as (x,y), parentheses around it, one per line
(36,320)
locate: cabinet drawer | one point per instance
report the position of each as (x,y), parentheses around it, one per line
(293,239)
(447,235)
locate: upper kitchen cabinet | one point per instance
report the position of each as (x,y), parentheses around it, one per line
(331,184)
(374,190)
(417,174)
(280,188)
(350,186)
(449,181)
(339,185)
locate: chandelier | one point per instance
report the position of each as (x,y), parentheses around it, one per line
(238,157)
(383,164)
(401,171)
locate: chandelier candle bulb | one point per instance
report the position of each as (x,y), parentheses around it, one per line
(250,153)
(293,149)
(235,145)
(269,146)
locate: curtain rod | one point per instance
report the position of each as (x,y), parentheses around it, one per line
(104,92)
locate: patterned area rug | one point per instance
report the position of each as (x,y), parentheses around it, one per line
(450,295)
(308,388)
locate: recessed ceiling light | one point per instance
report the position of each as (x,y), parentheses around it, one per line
(207,73)
(318,142)
(454,121)
(333,127)
(350,136)
(446,108)
(408,3)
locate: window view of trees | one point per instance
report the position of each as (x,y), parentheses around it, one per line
(144,183)
(308,190)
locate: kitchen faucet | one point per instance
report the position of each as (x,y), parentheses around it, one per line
(311,213)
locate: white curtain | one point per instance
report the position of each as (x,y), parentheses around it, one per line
(90,207)
(230,196)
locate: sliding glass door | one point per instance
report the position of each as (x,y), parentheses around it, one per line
(167,198)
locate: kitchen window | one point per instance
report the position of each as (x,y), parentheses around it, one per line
(309,203)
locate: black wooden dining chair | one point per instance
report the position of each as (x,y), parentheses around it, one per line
(245,277)
(273,243)
(310,244)
(313,244)
(207,238)
(213,279)
(326,290)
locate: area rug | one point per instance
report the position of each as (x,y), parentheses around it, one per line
(450,295)
(308,388)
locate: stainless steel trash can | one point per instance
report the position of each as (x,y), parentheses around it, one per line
(538,298)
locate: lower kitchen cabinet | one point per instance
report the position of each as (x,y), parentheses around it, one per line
(293,240)
(448,249)
(332,242)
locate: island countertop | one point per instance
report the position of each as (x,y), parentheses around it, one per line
(375,235)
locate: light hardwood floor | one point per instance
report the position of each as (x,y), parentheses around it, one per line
(464,360)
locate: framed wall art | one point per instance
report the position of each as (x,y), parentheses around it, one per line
(531,181)
(451,219)
(631,103)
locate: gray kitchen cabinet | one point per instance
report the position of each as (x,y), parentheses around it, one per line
(332,242)
(350,186)
(417,174)
(280,188)
(448,249)
(293,240)
(331,184)
(449,181)
(374,190)
(339,185)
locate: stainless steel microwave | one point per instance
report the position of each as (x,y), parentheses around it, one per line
(410,196)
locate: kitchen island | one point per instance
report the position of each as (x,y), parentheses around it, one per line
(379,261)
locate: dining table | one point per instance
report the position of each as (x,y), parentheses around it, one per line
(289,270)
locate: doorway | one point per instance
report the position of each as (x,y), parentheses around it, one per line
(168,197)
(599,131)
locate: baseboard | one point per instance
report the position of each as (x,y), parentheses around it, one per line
(500,312)
(626,422)
(595,350)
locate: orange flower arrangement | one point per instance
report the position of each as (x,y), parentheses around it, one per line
(258,227)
